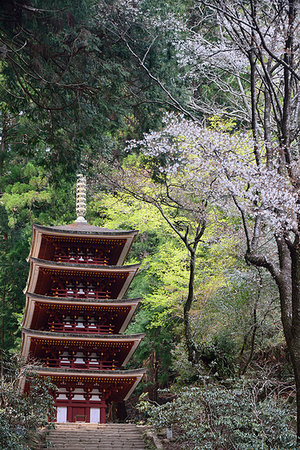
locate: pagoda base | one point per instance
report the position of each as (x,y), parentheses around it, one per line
(83,396)
(87,412)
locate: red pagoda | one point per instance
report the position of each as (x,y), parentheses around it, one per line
(75,315)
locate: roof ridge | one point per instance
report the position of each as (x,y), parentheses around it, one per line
(83,228)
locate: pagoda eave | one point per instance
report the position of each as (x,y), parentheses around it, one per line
(78,230)
(83,229)
(76,336)
(126,273)
(124,373)
(64,302)
(81,301)
(85,267)
(129,342)
(107,377)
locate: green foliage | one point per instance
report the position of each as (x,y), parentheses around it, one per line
(21,415)
(216,417)
(226,292)
(28,197)
(72,94)
(161,279)
(220,355)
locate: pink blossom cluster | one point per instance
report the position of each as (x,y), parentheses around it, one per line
(215,164)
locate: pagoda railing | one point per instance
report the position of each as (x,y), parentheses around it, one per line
(79,293)
(80,328)
(76,259)
(85,363)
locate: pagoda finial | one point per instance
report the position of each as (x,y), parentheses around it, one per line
(81,198)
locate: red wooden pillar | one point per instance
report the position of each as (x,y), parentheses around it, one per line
(102,411)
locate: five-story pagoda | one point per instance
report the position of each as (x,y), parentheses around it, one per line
(75,314)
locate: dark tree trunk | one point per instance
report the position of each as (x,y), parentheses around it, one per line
(287,278)
(3,141)
(244,368)
(2,333)
(190,345)
(294,338)
(153,391)
(194,353)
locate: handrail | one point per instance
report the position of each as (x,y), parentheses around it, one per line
(81,259)
(64,327)
(86,364)
(56,292)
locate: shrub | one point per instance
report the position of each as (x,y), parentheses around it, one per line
(220,418)
(21,415)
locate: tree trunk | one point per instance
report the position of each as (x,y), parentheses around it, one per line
(153,391)
(193,355)
(294,350)
(3,141)
(287,278)
(289,291)
(2,334)
(243,369)
(294,344)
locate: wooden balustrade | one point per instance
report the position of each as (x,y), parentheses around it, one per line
(79,293)
(77,259)
(93,363)
(86,328)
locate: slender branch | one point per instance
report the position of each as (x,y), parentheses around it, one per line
(255,27)
(38,10)
(183,238)
(176,104)
(273,56)
(242,212)
(148,49)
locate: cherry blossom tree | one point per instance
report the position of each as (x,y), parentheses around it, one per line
(242,61)
(265,183)
(222,168)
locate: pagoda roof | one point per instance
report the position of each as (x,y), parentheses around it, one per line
(36,263)
(83,336)
(84,229)
(132,377)
(79,301)
(85,267)
(108,373)
(78,231)
(78,337)
(84,302)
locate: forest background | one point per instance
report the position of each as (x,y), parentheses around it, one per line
(184,116)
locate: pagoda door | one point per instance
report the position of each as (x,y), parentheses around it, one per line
(61,414)
(95,415)
(79,414)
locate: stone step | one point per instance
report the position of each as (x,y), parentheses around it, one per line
(96,436)
(98,447)
(98,441)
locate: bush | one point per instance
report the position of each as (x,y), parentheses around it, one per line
(21,415)
(220,418)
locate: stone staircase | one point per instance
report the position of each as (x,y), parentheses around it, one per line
(75,436)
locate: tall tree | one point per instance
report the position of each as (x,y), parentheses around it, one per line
(266,198)
(72,79)
(70,91)
(262,173)
(266,34)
